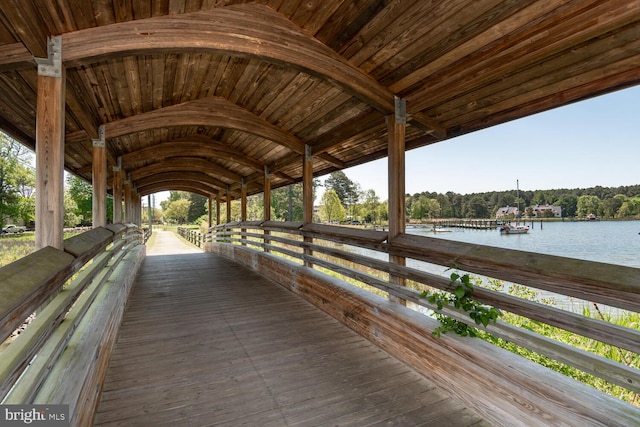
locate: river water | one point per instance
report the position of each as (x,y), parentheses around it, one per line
(612,242)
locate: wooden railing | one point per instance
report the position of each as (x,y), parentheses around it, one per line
(192,236)
(612,285)
(78,296)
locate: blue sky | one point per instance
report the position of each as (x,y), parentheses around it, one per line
(589,143)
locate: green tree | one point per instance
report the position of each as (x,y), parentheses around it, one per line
(177,211)
(588,205)
(331,208)
(347,191)
(197,207)
(81,192)
(476,208)
(70,208)
(370,206)
(286,203)
(569,205)
(17,181)
(611,205)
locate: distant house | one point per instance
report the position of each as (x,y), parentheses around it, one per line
(508,212)
(539,211)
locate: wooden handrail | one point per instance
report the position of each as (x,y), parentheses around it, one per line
(96,269)
(616,286)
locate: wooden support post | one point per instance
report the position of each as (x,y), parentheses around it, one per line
(396,129)
(99,181)
(150,213)
(210,206)
(228,203)
(50,148)
(267,205)
(128,202)
(138,208)
(307,197)
(218,207)
(243,208)
(117,193)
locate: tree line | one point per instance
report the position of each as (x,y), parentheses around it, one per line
(342,200)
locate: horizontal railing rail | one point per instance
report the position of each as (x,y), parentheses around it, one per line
(194,237)
(78,296)
(612,285)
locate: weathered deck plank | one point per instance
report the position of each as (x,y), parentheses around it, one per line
(205,341)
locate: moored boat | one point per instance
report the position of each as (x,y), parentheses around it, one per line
(514,229)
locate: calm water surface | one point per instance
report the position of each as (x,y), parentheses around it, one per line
(613,242)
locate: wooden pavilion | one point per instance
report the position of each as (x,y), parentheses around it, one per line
(230,98)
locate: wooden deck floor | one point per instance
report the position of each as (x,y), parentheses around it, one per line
(207,342)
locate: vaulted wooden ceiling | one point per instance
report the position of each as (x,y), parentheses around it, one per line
(200,94)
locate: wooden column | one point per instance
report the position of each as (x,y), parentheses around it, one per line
(243,208)
(307,197)
(50,149)
(396,128)
(228,203)
(218,207)
(137,204)
(99,181)
(266,200)
(210,206)
(128,203)
(117,194)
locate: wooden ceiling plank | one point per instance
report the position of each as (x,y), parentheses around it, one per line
(237,28)
(622,80)
(24,20)
(566,29)
(467,24)
(479,43)
(145,72)
(316,15)
(576,61)
(553,92)
(132,74)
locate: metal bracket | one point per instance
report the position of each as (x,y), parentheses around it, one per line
(100,142)
(401,111)
(308,155)
(118,167)
(51,66)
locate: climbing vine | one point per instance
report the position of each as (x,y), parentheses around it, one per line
(460,298)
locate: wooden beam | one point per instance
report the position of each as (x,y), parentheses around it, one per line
(185,164)
(181,185)
(50,155)
(192,146)
(210,111)
(249,30)
(165,179)
(15,56)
